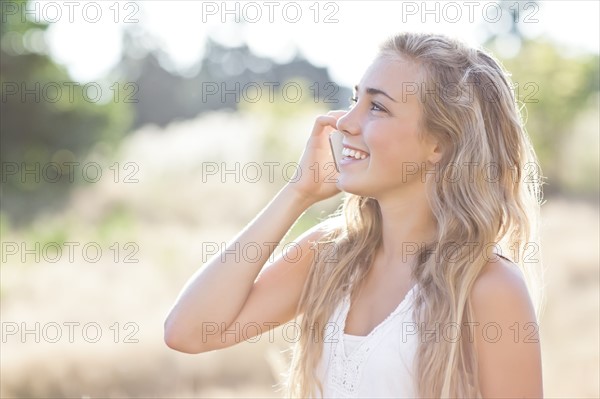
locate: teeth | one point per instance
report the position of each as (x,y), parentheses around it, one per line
(354,153)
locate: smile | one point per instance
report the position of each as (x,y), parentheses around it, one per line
(353,153)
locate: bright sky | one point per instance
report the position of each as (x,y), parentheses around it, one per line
(340,35)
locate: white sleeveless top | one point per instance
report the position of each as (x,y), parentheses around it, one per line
(379,365)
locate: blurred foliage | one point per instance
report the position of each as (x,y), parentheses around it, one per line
(556,89)
(43,121)
(283,109)
(559,91)
(226,78)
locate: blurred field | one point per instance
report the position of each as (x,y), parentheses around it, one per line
(169,214)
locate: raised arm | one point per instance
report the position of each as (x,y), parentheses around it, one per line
(224,292)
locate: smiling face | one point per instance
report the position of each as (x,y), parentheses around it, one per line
(384,125)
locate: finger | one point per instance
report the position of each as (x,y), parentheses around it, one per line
(337,113)
(324,124)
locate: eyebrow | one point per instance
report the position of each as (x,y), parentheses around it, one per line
(373,91)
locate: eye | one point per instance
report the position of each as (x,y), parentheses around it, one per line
(377,107)
(374,105)
(353,101)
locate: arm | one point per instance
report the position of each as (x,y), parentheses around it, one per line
(225,293)
(506,338)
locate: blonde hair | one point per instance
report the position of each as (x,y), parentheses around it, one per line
(474,114)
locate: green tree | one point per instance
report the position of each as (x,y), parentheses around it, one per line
(57,122)
(555,88)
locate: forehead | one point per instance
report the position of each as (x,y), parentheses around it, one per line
(392,75)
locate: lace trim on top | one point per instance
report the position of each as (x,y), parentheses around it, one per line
(347,369)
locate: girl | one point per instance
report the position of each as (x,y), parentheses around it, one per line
(403,292)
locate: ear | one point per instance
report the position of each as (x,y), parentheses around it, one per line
(434,151)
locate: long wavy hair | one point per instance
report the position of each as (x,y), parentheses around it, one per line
(485,195)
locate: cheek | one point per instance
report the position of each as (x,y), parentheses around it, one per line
(395,149)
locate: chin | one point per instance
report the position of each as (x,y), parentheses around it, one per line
(353,187)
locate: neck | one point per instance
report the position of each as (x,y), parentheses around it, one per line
(407,224)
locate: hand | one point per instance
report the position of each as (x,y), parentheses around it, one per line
(316,177)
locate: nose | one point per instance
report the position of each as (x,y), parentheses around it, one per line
(348,123)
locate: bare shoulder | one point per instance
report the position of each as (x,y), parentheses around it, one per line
(506,333)
(500,296)
(500,285)
(297,256)
(277,289)
(306,241)
(315,233)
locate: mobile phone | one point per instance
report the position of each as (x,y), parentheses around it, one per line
(335,141)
